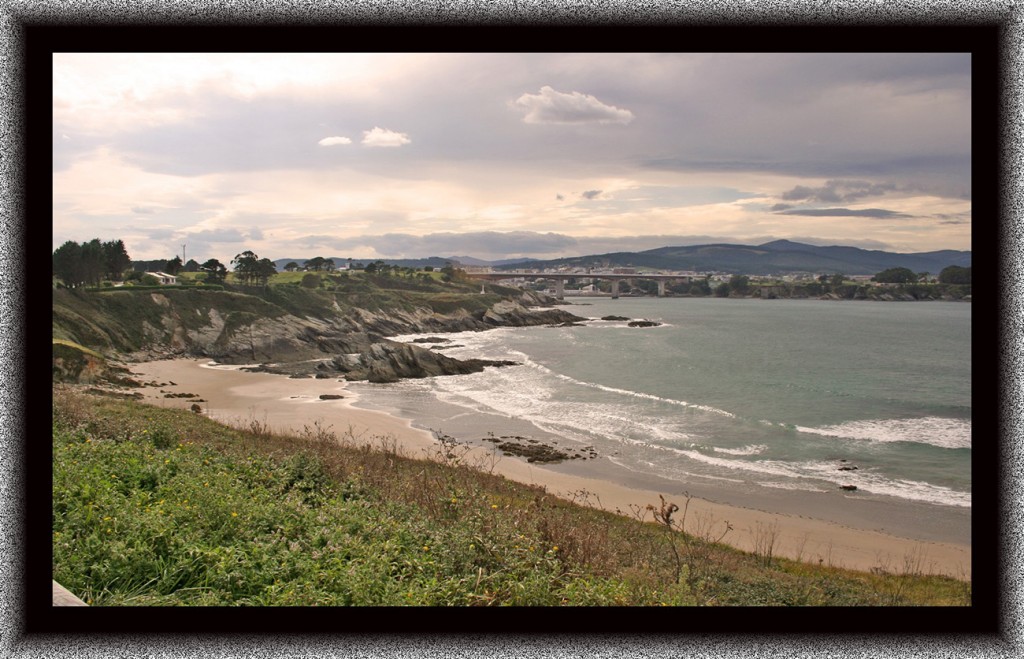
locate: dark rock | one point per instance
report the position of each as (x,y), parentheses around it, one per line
(643,323)
(195,408)
(331,396)
(619,318)
(432,339)
(848,488)
(388,361)
(848,469)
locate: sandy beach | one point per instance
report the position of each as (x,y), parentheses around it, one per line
(238,398)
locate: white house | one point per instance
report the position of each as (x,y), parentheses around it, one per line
(165,279)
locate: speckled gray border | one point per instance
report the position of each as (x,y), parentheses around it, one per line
(14,13)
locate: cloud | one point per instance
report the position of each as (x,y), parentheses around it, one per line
(553,107)
(560,197)
(480,244)
(780,207)
(590,194)
(334,141)
(256,233)
(878,213)
(838,191)
(217,236)
(380,137)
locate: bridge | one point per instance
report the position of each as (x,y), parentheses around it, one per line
(561,277)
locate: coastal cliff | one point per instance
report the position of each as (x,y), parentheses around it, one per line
(291,330)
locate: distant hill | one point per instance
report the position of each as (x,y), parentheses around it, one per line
(776,257)
(435,261)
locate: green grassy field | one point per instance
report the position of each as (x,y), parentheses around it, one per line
(154,506)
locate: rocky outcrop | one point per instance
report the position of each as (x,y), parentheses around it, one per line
(388,361)
(234,329)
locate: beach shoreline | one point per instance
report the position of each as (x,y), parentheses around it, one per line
(239,398)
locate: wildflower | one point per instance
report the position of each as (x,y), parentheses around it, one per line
(426,548)
(494,506)
(234,514)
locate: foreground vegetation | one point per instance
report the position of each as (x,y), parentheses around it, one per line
(155,506)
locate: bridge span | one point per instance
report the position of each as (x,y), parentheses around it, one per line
(561,277)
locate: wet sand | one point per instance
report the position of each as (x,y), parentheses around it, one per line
(240,398)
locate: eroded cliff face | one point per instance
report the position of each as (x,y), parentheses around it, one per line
(352,346)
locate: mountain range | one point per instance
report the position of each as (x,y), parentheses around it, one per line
(776,257)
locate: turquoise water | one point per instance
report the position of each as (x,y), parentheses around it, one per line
(773,394)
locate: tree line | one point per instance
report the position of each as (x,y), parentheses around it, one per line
(89,263)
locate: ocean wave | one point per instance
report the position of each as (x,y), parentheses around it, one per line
(792,485)
(751,449)
(938,431)
(808,474)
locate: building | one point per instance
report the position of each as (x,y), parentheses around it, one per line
(165,279)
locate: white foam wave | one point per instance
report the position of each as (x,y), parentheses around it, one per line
(937,431)
(792,485)
(627,392)
(750,449)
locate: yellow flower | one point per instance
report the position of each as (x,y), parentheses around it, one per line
(494,506)
(234,514)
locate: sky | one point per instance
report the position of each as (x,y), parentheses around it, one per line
(507,155)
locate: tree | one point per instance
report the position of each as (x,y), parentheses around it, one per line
(215,271)
(94,262)
(896,276)
(264,270)
(192,266)
(291,266)
(739,284)
(67,264)
(837,279)
(174,266)
(955,274)
(316,263)
(722,290)
(329,265)
(246,266)
(116,259)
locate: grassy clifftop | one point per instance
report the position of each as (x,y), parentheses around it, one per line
(126,320)
(154,506)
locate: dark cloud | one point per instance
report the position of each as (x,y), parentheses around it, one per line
(878,213)
(781,207)
(590,194)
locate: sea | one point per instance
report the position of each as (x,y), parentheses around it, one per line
(737,398)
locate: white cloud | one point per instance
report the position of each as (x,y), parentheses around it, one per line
(553,107)
(384,138)
(334,141)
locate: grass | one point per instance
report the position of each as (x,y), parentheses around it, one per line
(155,506)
